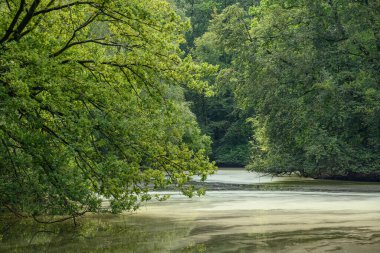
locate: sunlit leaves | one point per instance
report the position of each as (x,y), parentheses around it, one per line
(87,109)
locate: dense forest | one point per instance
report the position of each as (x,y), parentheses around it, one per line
(298,84)
(111,99)
(219,116)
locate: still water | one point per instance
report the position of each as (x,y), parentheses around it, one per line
(242,212)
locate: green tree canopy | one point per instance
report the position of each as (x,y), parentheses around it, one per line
(310,72)
(91,105)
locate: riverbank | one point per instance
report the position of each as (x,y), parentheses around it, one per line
(239,179)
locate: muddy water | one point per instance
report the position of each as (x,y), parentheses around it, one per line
(241,213)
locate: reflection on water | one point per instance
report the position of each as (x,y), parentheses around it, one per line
(309,216)
(122,233)
(138,234)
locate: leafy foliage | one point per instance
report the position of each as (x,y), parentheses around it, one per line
(310,72)
(91,105)
(219,115)
(200,13)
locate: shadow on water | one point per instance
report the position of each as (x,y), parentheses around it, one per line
(121,233)
(129,233)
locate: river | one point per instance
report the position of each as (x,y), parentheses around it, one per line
(241,212)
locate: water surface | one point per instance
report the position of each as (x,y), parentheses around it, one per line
(241,212)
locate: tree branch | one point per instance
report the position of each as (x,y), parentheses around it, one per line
(95,41)
(26,19)
(69,44)
(63,7)
(13,23)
